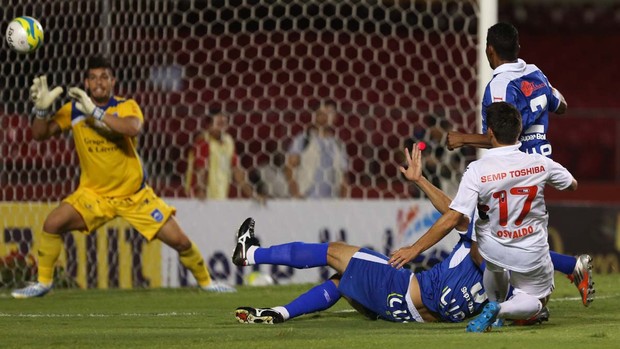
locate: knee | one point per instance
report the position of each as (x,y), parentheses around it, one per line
(53,225)
(180,243)
(335,246)
(335,279)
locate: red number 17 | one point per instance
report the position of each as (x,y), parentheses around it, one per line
(503,203)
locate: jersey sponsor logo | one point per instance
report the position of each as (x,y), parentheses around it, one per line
(498,99)
(493,177)
(515,234)
(529,87)
(527,171)
(513,174)
(157,215)
(535,136)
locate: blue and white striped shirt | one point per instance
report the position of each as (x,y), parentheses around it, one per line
(528,89)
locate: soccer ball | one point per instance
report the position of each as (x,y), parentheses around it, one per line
(256,278)
(24,34)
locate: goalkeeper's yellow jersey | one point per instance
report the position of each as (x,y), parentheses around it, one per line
(109,162)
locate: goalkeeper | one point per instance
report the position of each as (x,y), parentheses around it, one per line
(112,179)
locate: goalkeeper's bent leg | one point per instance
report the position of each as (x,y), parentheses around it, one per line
(192,260)
(49,250)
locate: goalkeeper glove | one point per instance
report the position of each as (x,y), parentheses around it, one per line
(42,96)
(84,104)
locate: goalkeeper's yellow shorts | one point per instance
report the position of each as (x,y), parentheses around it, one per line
(144,210)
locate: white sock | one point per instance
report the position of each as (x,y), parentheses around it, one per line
(283,311)
(520,306)
(250,255)
(496,284)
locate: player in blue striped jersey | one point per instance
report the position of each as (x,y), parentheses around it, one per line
(528,89)
(520,84)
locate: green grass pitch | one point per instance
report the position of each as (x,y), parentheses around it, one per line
(189,318)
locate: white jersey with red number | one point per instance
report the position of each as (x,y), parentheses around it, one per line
(507,187)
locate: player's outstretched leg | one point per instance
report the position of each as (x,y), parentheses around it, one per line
(483,322)
(582,278)
(249,315)
(294,254)
(318,298)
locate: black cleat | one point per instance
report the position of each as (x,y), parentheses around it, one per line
(249,315)
(245,239)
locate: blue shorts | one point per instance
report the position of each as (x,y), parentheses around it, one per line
(379,287)
(453,288)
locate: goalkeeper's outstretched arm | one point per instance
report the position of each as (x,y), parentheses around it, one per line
(42,127)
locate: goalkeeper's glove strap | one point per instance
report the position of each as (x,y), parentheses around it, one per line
(98,113)
(40,113)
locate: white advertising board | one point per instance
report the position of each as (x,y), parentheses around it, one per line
(380,225)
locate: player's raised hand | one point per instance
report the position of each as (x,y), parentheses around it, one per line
(40,94)
(454,140)
(402,256)
(413,172)
(84,104)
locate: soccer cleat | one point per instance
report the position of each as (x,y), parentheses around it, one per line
(582,278)
(217,287)
(245,239)
(32,290)
(539,318)
(484,321)
(249,315)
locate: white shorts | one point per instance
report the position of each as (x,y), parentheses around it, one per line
(538,282)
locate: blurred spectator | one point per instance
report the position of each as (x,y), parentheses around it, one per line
(270,178)
(213,163)
(317,161)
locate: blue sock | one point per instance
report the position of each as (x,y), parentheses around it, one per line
(294,254)
(316,299)
(563,263)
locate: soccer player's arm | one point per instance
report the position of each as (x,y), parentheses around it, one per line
(438,198)
(558,101)
(465,201)
(559,177)
(43,128)
(458,139)
(129,120)
(438,231)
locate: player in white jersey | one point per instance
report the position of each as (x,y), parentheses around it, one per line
(528,89)
(507,186)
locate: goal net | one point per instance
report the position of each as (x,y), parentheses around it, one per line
(398,71)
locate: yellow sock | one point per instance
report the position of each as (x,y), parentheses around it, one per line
(192,260)
(49,250)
